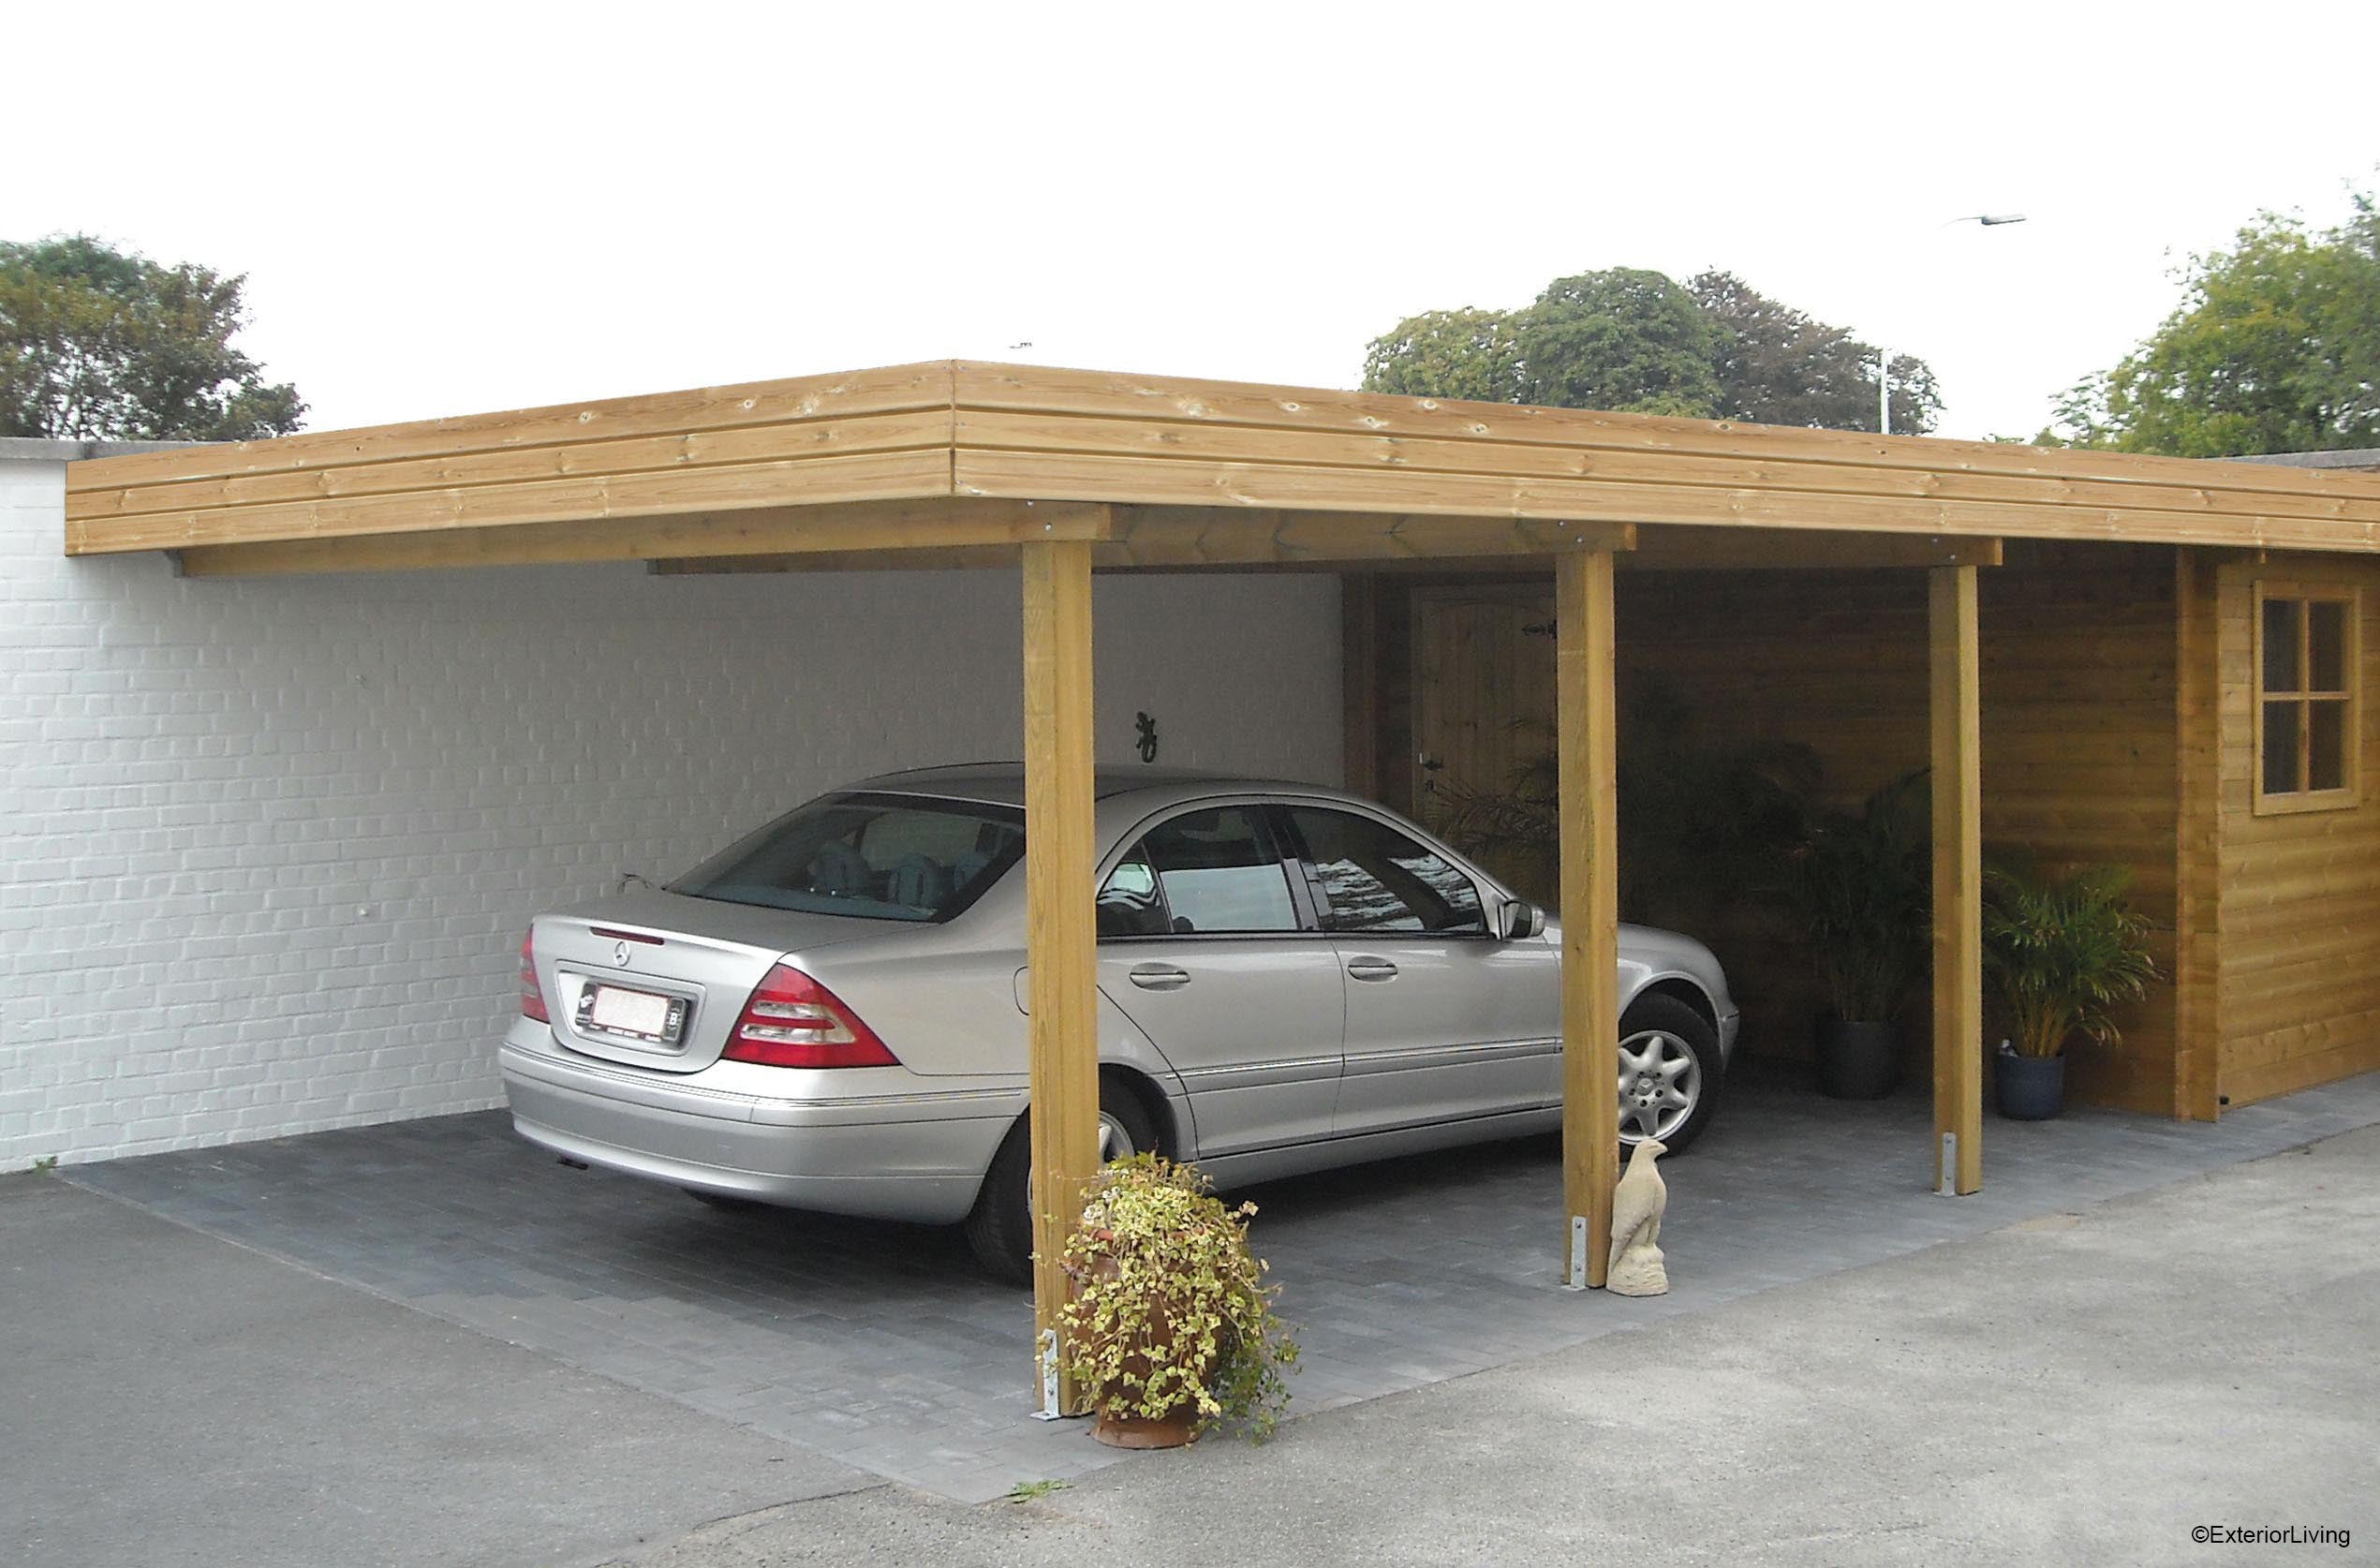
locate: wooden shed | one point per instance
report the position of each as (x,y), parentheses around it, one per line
(2101,657)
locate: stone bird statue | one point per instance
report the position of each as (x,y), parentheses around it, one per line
(1636,1207)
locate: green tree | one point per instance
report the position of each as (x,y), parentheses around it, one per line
(2274,348)
(1473,354)
(1779,366)
(1628,339)
(1624,338)
(98,344)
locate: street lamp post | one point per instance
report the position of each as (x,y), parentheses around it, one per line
(1883,355)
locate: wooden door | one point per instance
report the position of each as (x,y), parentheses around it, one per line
(1483,703)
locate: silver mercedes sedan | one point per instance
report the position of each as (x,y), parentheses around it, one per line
(830,1015)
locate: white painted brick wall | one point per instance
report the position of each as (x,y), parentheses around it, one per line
(267,846)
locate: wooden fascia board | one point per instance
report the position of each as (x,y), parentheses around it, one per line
(1138,480)
(573,503)
(1018,433)
(1756,459)
(886,389)
(1052,391)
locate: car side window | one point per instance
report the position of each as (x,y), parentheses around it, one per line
(1376,879)
(1215,872)
(1132,904)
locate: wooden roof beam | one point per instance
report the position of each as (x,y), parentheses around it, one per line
(1198,539)
(1688,548)
(892,528)
(1190,536)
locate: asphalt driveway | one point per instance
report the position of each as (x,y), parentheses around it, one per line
(171,1398)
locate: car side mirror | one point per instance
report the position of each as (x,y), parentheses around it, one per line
(1518,920)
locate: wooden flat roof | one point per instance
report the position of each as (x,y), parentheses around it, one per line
(963,459)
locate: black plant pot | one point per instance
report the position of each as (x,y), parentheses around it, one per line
(2028,1088)
(1857,1061)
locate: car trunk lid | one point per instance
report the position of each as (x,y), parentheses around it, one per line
(655,980)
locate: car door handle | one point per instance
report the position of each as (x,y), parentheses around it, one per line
(1158,977)
(1371,968)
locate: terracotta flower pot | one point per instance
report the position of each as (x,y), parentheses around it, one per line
(1176,1428)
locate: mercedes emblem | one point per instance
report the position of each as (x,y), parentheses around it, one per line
(620,954)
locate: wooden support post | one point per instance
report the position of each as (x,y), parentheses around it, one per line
(1059,939)
(1955,712)
(2198,841)
(1587,753)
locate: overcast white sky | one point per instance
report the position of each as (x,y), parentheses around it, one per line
(446,209)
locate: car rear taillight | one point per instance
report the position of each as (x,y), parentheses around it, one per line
(793,1021)
(532,994)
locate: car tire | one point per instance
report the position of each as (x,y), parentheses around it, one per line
(1666,1018)
(1000,1227)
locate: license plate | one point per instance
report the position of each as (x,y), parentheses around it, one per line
(638,1012)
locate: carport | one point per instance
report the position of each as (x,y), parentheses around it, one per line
(1057,474)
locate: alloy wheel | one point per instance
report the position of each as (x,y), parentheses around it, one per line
(1660,1084)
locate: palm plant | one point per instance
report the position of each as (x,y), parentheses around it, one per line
(1862,884)
(2062,954)
(1514,830)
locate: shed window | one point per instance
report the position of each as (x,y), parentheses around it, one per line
(2307,704)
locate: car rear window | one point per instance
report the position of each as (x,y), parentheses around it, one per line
(873,857)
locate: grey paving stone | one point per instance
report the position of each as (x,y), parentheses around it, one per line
(881,1346)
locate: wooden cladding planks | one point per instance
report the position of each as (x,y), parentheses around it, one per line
(2302,1059)
(2296,897)
(2076,655)
(2082,765)
(2079,736)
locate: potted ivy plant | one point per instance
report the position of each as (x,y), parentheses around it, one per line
(1171,1324)
(2061,953)
(1862,885)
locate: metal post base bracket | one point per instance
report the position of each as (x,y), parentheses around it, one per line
(1049,1410)
(1578,1280)
(1946,1184)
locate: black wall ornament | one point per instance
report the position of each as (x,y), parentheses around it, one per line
(1145,736)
